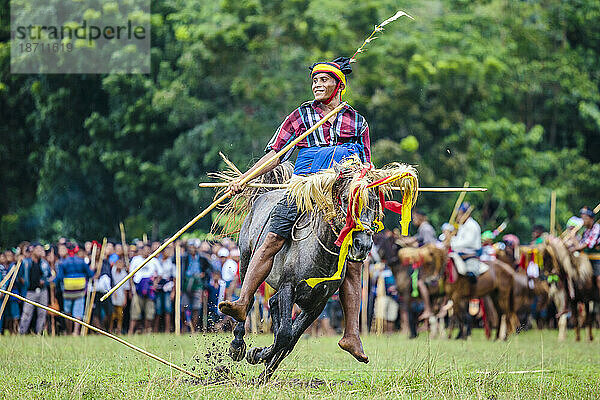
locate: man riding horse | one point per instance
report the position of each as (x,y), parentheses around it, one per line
(347,134)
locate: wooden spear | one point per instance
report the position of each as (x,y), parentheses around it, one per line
(553,213)
(7,277)
(283,186)
(10,286)
(100,331)
(93,296)
(126,255)
(225,196)
(178,290)
(459,201)
(88,285)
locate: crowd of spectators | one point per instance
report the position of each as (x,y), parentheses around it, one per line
(64,277)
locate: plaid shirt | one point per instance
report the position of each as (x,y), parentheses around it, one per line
(348,127)
(591,238)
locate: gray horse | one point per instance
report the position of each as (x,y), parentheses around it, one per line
(311,253)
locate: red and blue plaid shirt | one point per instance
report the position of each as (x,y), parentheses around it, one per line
(348,127)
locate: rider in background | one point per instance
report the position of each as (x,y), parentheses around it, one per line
(467,241)
(488,251)
(590,242)
(343,135)
(537,234)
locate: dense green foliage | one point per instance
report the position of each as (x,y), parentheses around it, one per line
(504,94)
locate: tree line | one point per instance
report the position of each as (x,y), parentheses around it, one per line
(503,94)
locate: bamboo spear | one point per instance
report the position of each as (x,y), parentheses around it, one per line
(102,332)
(225,196)
(126,255)
(7,277)
(88,285)
(459,201)
(10,286)
(178,290)
(93,296)
(283,186)
(553,213)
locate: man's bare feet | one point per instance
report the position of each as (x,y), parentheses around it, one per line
(353,345)
(233,309)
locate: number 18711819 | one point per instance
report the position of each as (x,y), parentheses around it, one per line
(34,47)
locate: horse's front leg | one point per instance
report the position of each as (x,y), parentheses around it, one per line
(254,355)
(589,320)
(237,347)
(575,310)
(282,320)
(300,324)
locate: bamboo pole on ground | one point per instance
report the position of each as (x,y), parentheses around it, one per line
(284,185)
(459,201)
(93,296)
(102,332)
(553,213)
(10,286)
(178,290)
(226,195)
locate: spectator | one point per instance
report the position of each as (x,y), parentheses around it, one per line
(73,273)
(230,271)
(143,298)
(102,310)
(119,297)
(35,275)
(196,268)
(164,289)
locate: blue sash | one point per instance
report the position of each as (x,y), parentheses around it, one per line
(315,159)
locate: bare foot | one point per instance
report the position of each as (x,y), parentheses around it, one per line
(233,309)
(353,345)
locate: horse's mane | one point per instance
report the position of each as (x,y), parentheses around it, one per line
(229,220)
(579,268)
(317,192)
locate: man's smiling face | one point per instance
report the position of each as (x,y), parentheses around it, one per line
(323,86)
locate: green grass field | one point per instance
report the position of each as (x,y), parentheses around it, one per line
(97,367)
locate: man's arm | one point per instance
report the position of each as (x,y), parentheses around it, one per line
(235,187)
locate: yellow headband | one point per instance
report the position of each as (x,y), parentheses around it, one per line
(325,67)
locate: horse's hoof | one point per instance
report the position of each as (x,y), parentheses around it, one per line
(264,376)
(252,355)
(237,353)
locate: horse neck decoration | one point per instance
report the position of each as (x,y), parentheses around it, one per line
(343,204)
(350,191)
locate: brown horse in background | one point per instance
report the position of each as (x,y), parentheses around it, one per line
(578,281)
(523,295)
(442,278)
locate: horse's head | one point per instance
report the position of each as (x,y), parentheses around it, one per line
(348,192)
(351,195)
